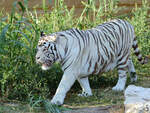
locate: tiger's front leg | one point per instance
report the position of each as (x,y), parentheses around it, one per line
(86,90)
(65,84)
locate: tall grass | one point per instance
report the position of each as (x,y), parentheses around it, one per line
(19,33)
(95,15)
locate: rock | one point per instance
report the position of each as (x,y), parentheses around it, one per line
(137,99)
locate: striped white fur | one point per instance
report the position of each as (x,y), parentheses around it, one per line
(85,52)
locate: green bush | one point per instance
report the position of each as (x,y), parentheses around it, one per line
(19,73)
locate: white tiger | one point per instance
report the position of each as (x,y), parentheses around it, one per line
(85,52)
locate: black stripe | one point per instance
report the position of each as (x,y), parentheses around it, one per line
(93,35)
(135,46)
(67,66)
(89,65)
(119,27)
(95,68)
(81,35)
(137,53)
(140,59)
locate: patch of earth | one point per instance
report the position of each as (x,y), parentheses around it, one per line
(99,109)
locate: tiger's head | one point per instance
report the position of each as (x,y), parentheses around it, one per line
(46,51)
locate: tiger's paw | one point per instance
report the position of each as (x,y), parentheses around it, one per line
(120,84)
(118,88)
(85,94)
(57,100)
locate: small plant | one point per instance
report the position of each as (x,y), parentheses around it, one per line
(36,102)
(50,108)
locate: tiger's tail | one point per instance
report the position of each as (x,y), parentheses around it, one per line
(138,54)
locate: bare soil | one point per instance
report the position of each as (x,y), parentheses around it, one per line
(99,109)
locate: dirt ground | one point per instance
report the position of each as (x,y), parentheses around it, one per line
(19,108)
(99,109)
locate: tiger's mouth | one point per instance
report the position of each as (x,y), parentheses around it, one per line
(47,65)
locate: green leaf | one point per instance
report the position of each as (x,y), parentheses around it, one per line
(22,6)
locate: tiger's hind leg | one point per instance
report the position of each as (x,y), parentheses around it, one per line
(121,80)
(122,69)
(86,90)
(131,70)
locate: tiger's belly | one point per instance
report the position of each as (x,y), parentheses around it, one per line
(110,66)
(93,69)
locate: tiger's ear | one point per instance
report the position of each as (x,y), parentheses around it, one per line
(42,34)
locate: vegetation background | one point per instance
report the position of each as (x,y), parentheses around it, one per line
(22,79)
